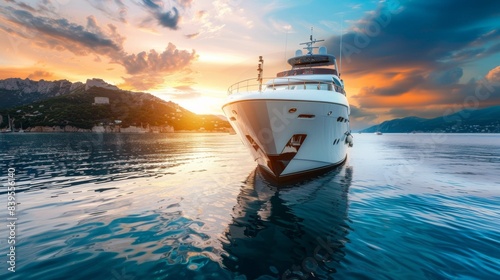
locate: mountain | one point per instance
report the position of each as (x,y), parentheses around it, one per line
(486,120)
(16,92)
(85,105)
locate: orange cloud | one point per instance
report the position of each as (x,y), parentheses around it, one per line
(493,75)
(30,73)
(40,74)
(368,99)
(146,69)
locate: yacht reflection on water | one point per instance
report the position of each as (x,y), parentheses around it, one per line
(297,232)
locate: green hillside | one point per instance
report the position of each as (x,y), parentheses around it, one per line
(77,109)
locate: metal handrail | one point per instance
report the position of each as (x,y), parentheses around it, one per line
(247,86)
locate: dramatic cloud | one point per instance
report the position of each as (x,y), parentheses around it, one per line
(47,7)
(168,61)
(169,19)
(494,75)
(153,4)
(392,36)
(402,83)
(448,77)
(22,5)
(414,53)
(361,118)
(60,34)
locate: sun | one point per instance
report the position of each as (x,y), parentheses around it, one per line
(202,105)
(207,102)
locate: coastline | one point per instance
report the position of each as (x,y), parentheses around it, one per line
(111,129)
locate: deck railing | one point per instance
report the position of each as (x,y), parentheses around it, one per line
(252,85)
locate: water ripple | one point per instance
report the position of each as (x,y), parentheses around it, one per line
(193,206)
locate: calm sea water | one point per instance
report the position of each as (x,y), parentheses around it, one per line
(193,206)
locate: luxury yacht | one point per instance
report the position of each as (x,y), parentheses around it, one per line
(297,122)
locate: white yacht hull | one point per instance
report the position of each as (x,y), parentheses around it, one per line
(290,133)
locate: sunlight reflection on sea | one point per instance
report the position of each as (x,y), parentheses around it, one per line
(194,206)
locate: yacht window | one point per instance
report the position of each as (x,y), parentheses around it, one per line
(323,87)
(301,86)
(276,87)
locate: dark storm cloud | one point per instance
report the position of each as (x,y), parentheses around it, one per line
(419,47)
(169,19)
(448,77)
(60,33)
(482,93)
(419,33)
(358,113)
(361,118)
(153,4)
(413,80)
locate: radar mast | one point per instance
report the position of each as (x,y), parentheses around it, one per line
(309,45)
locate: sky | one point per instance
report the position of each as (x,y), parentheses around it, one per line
(400,58)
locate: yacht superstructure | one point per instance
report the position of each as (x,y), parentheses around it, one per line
(296,122)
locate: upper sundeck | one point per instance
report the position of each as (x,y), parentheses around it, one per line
(307,71)
(311,63)
(305,82)
(312,60)
(310,71)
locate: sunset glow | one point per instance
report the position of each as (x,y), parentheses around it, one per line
(400,58)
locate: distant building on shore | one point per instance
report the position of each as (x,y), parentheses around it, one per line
(100,100)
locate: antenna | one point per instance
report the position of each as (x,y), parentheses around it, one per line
(341,34)
(310,47)
(286,44)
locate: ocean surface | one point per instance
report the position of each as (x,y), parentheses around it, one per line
(194,206)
